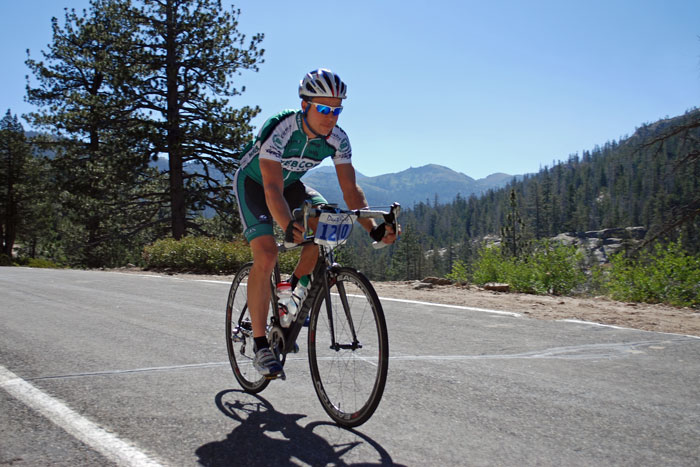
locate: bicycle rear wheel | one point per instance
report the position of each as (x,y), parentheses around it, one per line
(350,371)
(239,334)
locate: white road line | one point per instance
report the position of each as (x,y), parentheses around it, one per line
(121,452)
(593,323)
(457,307)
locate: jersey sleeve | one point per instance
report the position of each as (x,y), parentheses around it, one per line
(273,141)
(340,141)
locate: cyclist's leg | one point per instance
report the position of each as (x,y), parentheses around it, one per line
(264,258)
(257,225)
(307,260)
(239,334)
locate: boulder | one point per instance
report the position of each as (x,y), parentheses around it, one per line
(437,281)
(599,245)
(497,287)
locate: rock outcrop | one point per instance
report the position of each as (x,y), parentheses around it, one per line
(600,245)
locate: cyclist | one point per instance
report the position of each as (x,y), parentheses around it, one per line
(268,187)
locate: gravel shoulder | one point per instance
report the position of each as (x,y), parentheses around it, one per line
(660,318)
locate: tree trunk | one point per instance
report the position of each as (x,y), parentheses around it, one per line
(10,214)
(10,232)
(177,190)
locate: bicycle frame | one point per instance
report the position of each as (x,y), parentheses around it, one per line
(319,284)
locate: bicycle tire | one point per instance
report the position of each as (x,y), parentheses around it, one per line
(239,334)
(349,382)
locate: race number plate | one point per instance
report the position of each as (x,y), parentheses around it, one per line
(333,229)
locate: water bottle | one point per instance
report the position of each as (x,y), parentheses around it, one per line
(291,304)
(284,298)
(300,292)
(298,296)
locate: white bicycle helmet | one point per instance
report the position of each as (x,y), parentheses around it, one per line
(322,83)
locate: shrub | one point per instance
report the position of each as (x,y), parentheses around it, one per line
(550,268)
(459,272)
(5,260)
(42,263)
(558,269)
(667,274)
(196,254)
(489,266)
(206,255)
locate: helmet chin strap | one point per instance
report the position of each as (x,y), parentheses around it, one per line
(306,122)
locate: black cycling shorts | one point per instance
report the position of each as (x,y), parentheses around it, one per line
(252,207)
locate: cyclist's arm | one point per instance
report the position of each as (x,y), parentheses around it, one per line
(352,194)
(355,199)
(273,184)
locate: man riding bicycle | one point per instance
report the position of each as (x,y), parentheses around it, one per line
(268,187)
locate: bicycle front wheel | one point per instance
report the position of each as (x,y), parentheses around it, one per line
(239,334)
(349,349)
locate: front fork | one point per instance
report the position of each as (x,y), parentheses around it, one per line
(346,308)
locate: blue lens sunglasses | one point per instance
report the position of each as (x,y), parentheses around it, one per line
(326,109)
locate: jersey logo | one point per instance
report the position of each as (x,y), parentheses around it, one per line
(296,165)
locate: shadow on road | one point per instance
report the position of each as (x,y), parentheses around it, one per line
(264,436)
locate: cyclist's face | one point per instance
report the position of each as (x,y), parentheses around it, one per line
(322,123)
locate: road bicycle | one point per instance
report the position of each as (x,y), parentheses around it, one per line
(348,344)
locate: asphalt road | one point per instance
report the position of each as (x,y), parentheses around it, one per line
(102,368)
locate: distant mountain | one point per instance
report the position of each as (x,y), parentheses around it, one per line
(408,187)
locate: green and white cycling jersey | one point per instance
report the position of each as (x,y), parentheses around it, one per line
(282,139)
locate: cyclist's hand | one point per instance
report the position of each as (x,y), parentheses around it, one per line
(294,234)
(384,233)
(390,236)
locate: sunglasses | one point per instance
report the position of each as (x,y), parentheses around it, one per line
(326,109)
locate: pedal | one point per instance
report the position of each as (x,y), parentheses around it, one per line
(280,375)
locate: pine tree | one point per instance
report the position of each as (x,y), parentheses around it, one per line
(512,233)
(14,154)
(407,260)
(100,140)
(680,143)
(124,83)
(27,211)
(191,49)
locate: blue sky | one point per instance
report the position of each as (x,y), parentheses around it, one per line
(480,87)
